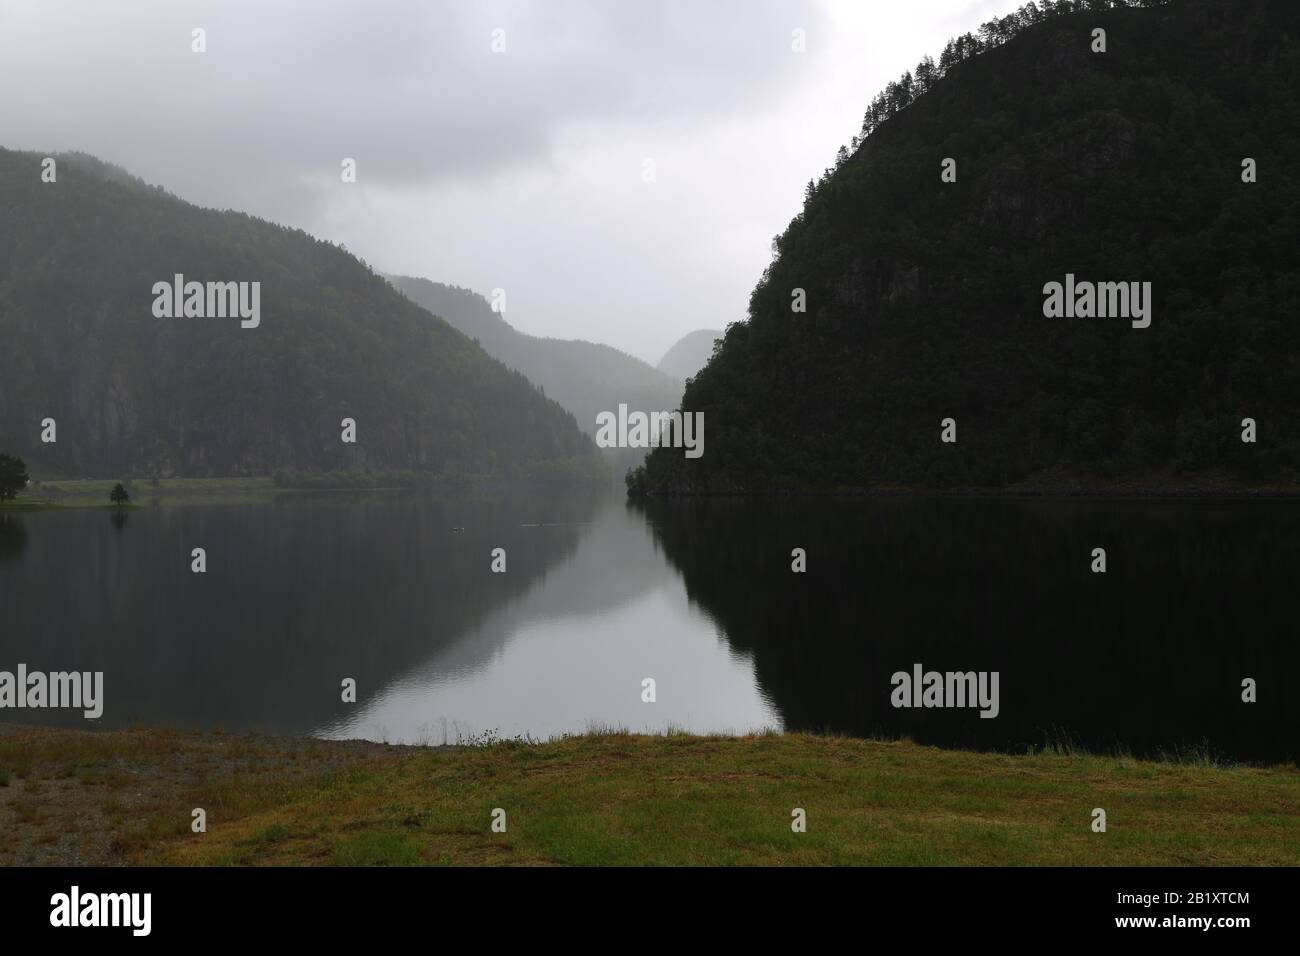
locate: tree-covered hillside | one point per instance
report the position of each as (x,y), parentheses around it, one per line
(925,297)
(134,394)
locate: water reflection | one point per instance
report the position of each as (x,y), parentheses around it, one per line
(572,653)
(306,590)
(13,537)
(1148,657)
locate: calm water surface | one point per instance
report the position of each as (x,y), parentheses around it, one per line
(305,590)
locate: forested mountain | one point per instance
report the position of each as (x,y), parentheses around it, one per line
(925,298)
(132,393)
(690,353)
(584,377)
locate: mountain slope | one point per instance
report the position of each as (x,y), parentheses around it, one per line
(584,377)
(690,353)
(925,299)
(133,394)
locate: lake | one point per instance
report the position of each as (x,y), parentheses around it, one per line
(303,591)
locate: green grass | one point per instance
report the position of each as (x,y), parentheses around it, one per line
(620,799)
(609,797)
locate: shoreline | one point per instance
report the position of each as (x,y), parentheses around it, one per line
(92,493)
(1009,494)
(88,495)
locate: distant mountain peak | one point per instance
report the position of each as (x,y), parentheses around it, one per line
(689,354)
(585,377)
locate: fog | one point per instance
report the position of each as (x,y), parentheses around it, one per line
(618,168)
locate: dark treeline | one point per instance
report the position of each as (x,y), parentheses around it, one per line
(925,298)
(901,93)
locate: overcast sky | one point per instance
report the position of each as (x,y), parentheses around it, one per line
(521,170)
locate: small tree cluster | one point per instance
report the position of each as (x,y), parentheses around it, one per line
(13,477)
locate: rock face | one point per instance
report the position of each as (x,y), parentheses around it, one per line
(133,394)
(925,298)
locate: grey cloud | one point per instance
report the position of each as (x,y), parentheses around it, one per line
(410,89)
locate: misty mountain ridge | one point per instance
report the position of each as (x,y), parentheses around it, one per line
(584,377)
(689,354)
(134,394)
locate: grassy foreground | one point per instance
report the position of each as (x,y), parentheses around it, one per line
(615,798)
